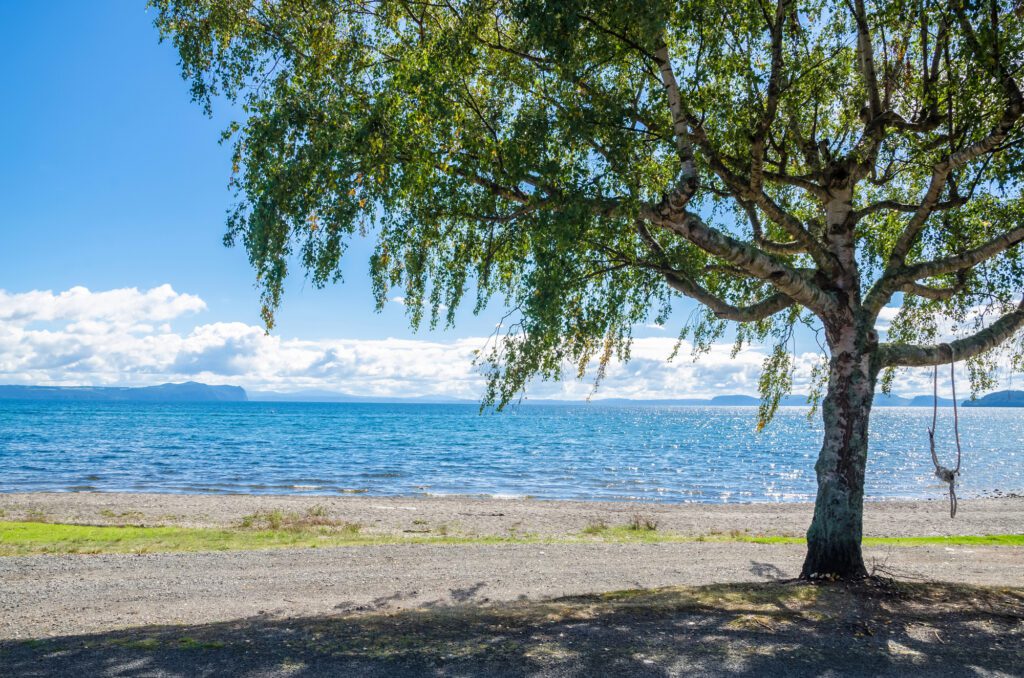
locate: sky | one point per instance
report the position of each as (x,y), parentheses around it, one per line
(113,271)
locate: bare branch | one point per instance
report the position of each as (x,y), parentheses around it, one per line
(897,355)
(934,293)
(867,58)
(770,246)
(688,179)
(722,309)
(896,206)
(972,257)
(772,98)
(754,261)
(895,280)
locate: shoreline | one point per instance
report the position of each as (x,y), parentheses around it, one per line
(475,516)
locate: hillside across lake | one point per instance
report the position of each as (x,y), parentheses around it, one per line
(195,392)
(190,391)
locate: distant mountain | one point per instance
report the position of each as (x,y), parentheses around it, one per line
(998,399)
(335,397)
(926,401)
(195,392)
(889,400)
(165,393)
(733,400)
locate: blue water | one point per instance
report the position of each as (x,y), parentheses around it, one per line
(578,452)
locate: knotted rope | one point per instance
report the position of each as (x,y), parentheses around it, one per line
(944,474)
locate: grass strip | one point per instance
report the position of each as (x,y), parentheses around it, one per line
(32,538)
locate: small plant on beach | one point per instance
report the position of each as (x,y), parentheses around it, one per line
(124,515)
(596,527)
(275,519)
(350,528)
(641,523)
(315,518)
(317,511)
(264,520)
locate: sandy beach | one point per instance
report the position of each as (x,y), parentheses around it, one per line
(478,517)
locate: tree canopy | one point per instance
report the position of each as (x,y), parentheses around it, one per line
(779,162)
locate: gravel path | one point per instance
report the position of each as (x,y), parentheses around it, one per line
(45,596)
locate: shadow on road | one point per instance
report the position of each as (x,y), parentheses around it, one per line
(780,628)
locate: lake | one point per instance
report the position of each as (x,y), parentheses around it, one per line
(589,452)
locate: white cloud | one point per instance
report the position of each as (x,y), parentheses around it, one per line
(97,311)
(885,318)
(125,336)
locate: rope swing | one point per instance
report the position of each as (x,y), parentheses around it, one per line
(944,474)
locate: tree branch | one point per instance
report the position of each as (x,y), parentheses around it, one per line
(894,280)
(688,179)
(682,122)
(972,257)
(687,286)
(722,309)
(867,58)
(934,293)
(770,246)
(897,206)
(754,261)
(941,172)
(757,146)
(898,355)
(940,175)
(742,191)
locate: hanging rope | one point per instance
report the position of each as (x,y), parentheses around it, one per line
(944,474)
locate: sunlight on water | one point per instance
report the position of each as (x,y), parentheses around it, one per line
(584,452)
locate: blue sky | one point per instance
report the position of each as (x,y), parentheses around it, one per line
(113,178)
(112,268)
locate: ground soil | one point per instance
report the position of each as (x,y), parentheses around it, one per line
(502,609)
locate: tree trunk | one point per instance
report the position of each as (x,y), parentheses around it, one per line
(833,539)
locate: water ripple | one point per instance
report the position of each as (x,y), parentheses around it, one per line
(666,454)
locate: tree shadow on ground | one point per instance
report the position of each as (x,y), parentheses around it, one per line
(878,627)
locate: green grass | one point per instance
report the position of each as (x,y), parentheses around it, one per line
(964,540)
(28,538)
(955,540)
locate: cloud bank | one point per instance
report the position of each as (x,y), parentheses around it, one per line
(124,337)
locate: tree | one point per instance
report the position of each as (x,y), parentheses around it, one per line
(779,162)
